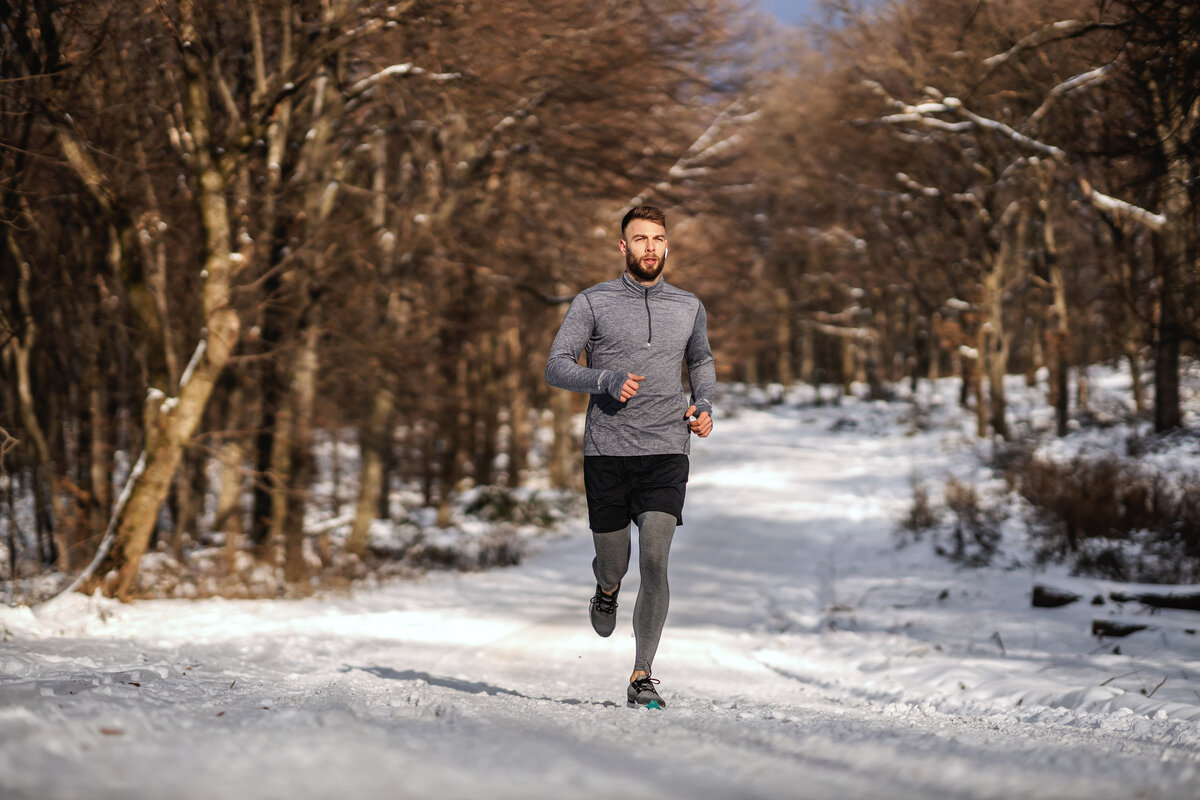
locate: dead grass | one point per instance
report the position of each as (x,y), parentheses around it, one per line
(1114,518)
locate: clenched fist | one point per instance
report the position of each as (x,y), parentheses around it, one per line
(702,425)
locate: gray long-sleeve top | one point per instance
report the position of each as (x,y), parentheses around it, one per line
(624,328)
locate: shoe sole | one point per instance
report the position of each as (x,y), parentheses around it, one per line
(652,704)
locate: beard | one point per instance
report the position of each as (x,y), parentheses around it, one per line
(641,271)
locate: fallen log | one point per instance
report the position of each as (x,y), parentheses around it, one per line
(1049,597)
(1113,629)
(1187,601)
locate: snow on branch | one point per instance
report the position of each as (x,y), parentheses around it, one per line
(836,235)
(329,524)
(710,144)
(1066,87)
(194,361)
(1102,201)
(925,114)
(1063,29)
(485,149)
(857,333)
(398,71)
(918,115)
(918,188)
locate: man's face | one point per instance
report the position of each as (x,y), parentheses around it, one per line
(645,249)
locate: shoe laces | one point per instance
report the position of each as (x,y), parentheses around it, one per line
(605,603)
(644,684)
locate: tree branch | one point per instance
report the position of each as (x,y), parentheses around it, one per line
(704,146)
(1065,88)
(924,114)
(1054,32)
(397,71)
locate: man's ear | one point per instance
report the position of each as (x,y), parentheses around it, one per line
(621,246)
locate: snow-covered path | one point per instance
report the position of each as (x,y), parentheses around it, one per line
(804,657)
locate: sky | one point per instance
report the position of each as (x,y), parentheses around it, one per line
(790,11)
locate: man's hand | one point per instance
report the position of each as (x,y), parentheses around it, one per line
(702,425)
(629,389)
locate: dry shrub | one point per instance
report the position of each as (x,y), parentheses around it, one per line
(1084,501)
(1114,519)
(966,530)
(921,516)
(975,535)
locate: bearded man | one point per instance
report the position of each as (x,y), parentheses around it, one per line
(636,331)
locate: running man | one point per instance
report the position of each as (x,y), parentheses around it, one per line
(636,331)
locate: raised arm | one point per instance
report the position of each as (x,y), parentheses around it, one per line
(563,369)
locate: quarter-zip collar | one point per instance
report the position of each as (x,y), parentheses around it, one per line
(644,293)
(631,285)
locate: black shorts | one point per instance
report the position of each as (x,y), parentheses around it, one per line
(619,488)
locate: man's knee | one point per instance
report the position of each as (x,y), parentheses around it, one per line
(656,522)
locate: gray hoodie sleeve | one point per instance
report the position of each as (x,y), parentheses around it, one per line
(702,371)
(563,369)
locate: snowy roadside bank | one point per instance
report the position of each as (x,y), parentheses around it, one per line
(805,656)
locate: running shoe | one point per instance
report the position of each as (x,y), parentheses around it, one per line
(641,693)
(604,611)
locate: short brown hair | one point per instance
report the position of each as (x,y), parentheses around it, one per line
(652,213)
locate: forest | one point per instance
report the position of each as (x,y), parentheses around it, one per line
(241,234)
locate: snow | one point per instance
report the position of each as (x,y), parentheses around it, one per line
(805,655)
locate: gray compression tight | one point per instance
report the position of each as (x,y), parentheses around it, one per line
(655,531)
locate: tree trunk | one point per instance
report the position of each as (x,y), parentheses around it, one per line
(1134,357)
(972,389)
(784,369)
(1169,334)
(14,533)
(304,392)
(375,437)
(935,348)
(47,546)
(170,423)
(808,360)
(520,433)
(1037,359)
(488,410)
(563,468)
(100,450)
(20,348)
(1057,326)
(278,480)
(850,363)
(229,499)
(1176,131)
(265,520)
(454,432)
(995,343)
(1133,334)
(187,498)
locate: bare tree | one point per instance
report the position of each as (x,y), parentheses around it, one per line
(221,137)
